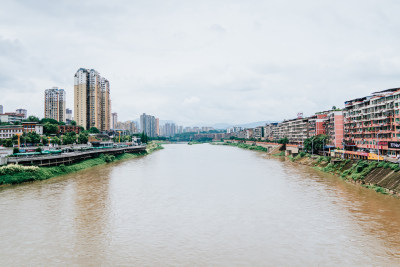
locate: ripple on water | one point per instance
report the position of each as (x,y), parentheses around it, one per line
(198,205)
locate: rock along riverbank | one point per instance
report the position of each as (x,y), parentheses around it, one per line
(16,174)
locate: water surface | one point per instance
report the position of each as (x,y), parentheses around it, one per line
(198,205)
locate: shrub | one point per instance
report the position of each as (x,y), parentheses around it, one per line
(381,164)
(15,150)
(380,190)
(302,154)
(62,167)
(109,158)
(13,168)
(360,166)
(329,168)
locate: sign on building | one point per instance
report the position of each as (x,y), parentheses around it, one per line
(394,145)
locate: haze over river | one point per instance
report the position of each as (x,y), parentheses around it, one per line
(198,205)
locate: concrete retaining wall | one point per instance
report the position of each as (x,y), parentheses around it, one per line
(3,161)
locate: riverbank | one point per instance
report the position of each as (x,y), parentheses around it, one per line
(382,177)
(16,174)
(242,145)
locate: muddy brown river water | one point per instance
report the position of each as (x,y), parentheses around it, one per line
(198,205)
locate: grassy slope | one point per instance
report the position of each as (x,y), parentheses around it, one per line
(355,171)
(351,170)
(244,146)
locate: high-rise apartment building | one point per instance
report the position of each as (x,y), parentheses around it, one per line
(129,126)
(169,129)
(54,104)
(1,109)
(68,115)
(158,126)
(114,120)
(23,112)
(148,125)
(105,105)
(92,100)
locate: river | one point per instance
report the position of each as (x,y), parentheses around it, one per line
(199,205)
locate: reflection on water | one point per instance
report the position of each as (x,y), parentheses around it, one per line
(198,205)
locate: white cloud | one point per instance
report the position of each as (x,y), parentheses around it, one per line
(201,61)
(191,100)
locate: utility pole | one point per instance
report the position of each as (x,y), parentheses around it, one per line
(312,147)
(377,143)
(344,149)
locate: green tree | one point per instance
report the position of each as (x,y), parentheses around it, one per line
(32,119)
(48,120)
(45,141)
(55,140)
(315,143)
(69,138)
(8,143)
(83,138)
(15,139)
(50,128)
(94,130)
(73,123)
(32,138)
(128,138)
(144,138)
(283,140)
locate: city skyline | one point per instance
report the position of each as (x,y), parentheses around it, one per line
(228,62)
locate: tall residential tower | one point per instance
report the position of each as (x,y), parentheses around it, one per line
(148,125)
(92,100)
(54,104)
(114,120)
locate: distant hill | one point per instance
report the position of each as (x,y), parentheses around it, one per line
(224,126)
(220,126)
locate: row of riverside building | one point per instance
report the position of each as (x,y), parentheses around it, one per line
(367,124)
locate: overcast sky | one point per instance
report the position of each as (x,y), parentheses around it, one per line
(202,61)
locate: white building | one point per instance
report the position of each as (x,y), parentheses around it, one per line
(8,131)
(23,112)
(54,104)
